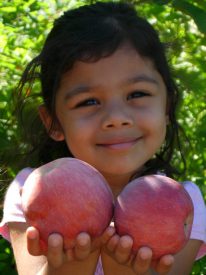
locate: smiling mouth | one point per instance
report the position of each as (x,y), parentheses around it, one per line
(118,145)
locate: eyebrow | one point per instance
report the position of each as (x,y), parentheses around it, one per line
(141,78)
(82,88)
(78,89)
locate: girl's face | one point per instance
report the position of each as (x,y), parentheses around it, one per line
(112,113)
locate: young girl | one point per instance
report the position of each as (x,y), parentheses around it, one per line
(109,100)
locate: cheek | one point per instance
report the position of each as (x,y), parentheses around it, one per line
(153,124)
(151,117)
(159,124)
(160,132)
(77,132)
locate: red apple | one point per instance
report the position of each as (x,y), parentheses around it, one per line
(67,196)
(157,212)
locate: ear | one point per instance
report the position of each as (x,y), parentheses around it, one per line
(53,128)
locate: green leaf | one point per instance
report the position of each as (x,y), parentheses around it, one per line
(198,14)
(9,9)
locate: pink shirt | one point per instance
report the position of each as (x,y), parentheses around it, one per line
(13,212)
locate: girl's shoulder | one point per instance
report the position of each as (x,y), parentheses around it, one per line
(21,176)
(199,222)
(17,183)
(195,194)
(191,187)
(12,209)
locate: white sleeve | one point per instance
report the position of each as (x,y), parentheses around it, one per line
(12,211)
(199,222)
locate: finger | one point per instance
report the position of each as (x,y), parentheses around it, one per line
(82,247)
(112,243)
(164,265)
(98,242)
(108,233)
(55,250)
(123,249)
(33,244)
(141,263)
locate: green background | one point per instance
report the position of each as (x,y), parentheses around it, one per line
(181,24)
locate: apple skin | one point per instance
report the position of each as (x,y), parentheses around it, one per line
(157,212)
(67,196)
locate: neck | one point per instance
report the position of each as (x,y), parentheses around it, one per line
(117,183)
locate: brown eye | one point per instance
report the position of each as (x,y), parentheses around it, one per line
(87,102)
(138,94)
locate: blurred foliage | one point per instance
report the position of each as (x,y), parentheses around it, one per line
(181,24)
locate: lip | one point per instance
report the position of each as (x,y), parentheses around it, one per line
(119,143)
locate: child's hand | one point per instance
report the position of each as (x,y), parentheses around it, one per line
(56,255)
(120,249)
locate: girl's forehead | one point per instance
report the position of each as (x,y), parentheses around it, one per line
(121,69)
(123,60)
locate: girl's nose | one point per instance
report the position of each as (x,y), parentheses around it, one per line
(116,116)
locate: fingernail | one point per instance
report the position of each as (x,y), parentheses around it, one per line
(111,231)
(54,243)
(83,241)
(169,260)
(32,235)
(145,255)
